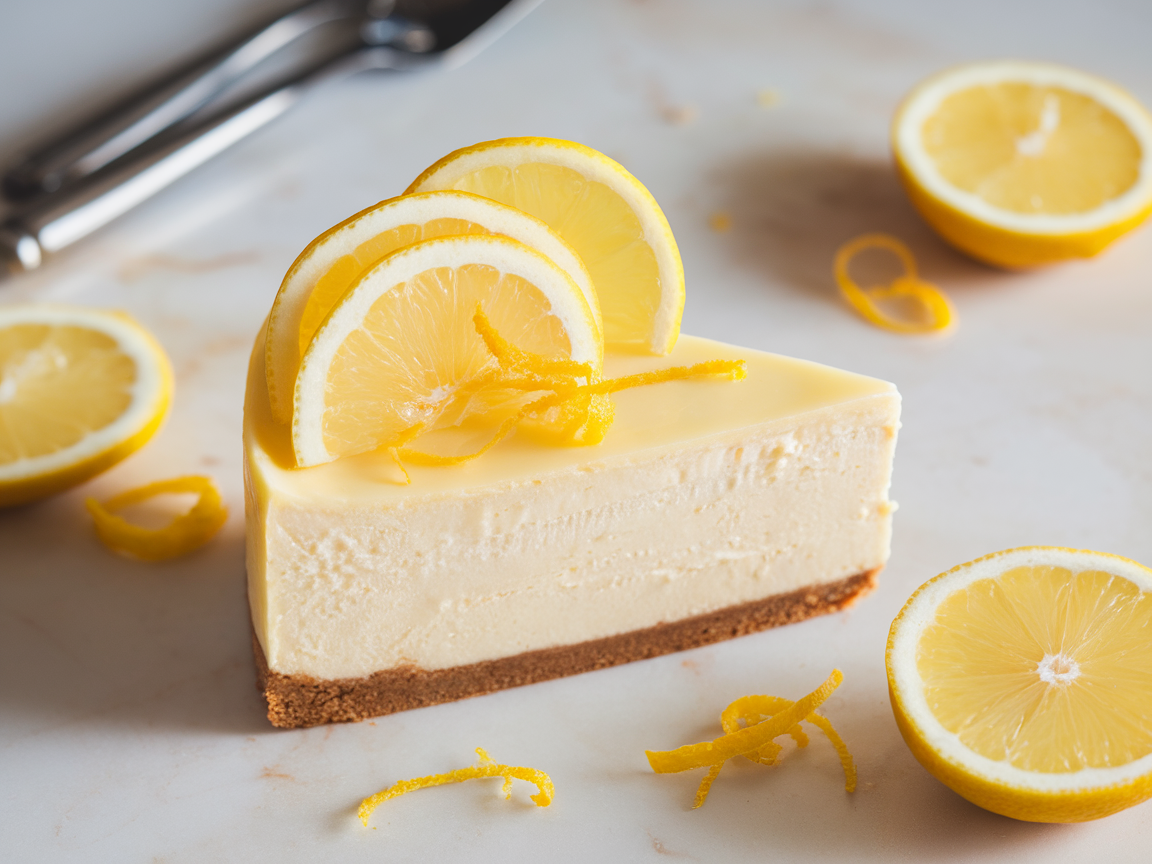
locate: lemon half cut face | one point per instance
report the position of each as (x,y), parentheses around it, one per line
(1023,681)
(1020,164)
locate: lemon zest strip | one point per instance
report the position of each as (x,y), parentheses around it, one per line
(485,768)
(185,533)
(584,410)
(751,709)
(941,316)
(767,717)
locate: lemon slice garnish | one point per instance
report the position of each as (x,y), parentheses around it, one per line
(186,533)
(80,389)
(1020,164)
(604,212)
(1023,681)
(331,263)
(486,768)
(392,356)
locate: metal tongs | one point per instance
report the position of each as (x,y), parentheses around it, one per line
(69,187)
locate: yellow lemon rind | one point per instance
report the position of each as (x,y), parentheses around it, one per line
(972,776)
(184,534)
(600,168)
(282,346)
(1002,247)
(502,253)
(486,767)
(57,472)
(997,236)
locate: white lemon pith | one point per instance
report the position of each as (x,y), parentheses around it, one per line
(1021,164)
(604,212)
(1023,681)
(331,263)
(400,342)
(80,389)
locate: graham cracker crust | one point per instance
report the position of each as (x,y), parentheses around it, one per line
(296,701)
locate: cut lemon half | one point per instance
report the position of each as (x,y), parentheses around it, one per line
(607,215)
(1021,164)
(326,269)
(80,389)
(392,355)
(1023,681)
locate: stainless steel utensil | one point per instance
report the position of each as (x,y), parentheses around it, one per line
(100,171)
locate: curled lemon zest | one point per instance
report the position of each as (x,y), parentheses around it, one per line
(485,768)
(940,315)
(182,535)
(575,409)
(750,724)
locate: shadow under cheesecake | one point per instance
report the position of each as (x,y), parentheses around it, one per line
(97,639)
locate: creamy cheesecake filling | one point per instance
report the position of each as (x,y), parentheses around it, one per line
(704,495)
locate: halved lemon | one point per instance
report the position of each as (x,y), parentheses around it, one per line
(326,269)
(1020,164)
(392,354)
(607,215)
(80,389)
(1023,681)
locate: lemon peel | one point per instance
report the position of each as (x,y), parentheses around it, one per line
(933,301)
(485,768)
(182,535)
(750,725)
(575,409)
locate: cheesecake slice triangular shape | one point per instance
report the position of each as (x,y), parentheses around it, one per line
(712,509)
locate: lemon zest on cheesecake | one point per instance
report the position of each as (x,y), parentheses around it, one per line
(575,409)
(750,724)
(938,312)
(485,768)
(185,533)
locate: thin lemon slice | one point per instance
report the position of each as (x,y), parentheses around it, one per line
(1023,681)
(186,533)
(80,389)
(1020,164)
(326,269)
(598,207)
(393,355)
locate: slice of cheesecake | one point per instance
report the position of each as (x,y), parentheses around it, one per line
(711,510)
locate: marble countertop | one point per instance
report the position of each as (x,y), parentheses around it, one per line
(130,728)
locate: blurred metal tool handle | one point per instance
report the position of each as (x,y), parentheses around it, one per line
(53,220)
(103,140)
(76,210)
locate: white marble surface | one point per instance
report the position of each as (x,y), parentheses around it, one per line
(130,729)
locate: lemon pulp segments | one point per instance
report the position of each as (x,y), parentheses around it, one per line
(80,389)
(1023,681)
(332,263)
(393,353)
(1031,148)
(1023,668)
(607,216)
(47,369)
(1021,164)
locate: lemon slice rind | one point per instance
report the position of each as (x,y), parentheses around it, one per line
(510,152)
(502,253)
(284,322)
(1001,236)
(39,476)
(1087,793)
